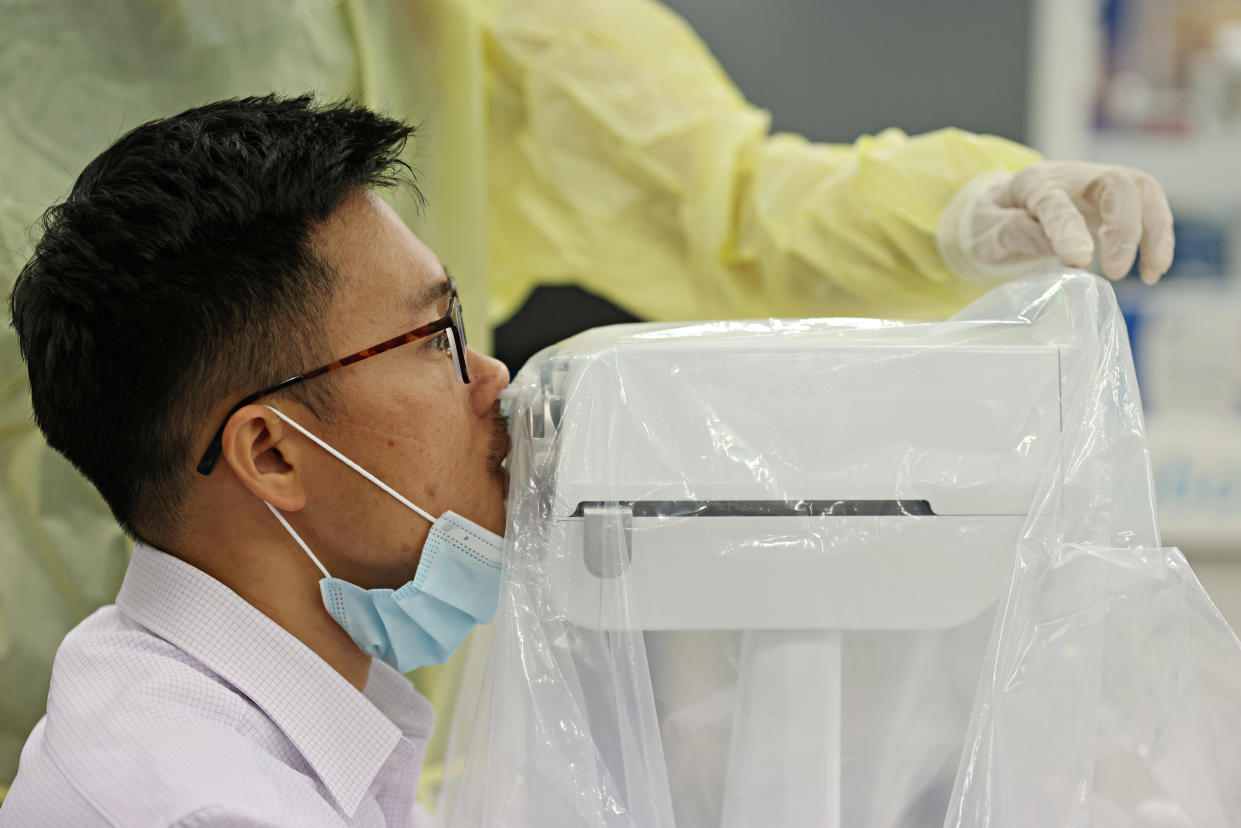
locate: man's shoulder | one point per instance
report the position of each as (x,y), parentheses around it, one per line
(143,732)
(109,664)
(136,786)
(116,683)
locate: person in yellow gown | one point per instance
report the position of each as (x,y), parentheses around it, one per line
(588,142)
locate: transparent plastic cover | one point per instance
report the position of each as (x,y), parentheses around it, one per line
(845,573)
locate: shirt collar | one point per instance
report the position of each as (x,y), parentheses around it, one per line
(344,735)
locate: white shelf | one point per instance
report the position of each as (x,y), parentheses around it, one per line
(1197,172)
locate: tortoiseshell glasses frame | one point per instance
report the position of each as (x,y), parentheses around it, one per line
(451,322)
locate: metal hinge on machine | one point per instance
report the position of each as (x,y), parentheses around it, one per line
(607,538)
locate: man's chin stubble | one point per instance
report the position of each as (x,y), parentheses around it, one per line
(498,451)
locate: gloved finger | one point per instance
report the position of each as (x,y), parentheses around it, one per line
(1116,195)
(1063,224)
(1019,237)
(1158,238)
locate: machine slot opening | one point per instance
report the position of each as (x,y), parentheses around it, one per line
(766,508)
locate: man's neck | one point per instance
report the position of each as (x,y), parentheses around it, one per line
(282,586)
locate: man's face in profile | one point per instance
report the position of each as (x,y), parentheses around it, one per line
(402,415)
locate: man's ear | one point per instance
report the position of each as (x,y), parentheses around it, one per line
(265,454)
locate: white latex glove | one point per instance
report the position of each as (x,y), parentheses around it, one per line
(1003,225)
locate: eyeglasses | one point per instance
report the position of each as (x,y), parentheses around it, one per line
(451,324)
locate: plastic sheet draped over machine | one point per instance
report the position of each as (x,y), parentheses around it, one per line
(846,573)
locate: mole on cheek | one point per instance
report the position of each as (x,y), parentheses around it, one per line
(391,443)
(430,492)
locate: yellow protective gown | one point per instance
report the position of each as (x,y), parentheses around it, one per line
(593,142)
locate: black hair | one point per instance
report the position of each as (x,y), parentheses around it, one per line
(178,272)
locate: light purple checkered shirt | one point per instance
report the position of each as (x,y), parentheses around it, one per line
(183,705)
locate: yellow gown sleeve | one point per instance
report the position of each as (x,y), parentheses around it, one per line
(621,158)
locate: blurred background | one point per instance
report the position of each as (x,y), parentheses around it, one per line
(1154,84)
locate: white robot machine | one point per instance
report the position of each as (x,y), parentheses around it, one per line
(841,573)
(877,486)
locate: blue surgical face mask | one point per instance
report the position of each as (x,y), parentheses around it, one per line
(455,587)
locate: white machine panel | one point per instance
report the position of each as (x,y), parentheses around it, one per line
(918,481)
(967,429)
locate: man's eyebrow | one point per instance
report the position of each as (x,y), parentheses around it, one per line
(431,293)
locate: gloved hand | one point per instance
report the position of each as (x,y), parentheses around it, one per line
(1003,225)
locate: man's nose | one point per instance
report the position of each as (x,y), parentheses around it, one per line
(488,377)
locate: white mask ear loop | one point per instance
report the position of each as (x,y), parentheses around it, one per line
(297,538)
(342,458)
